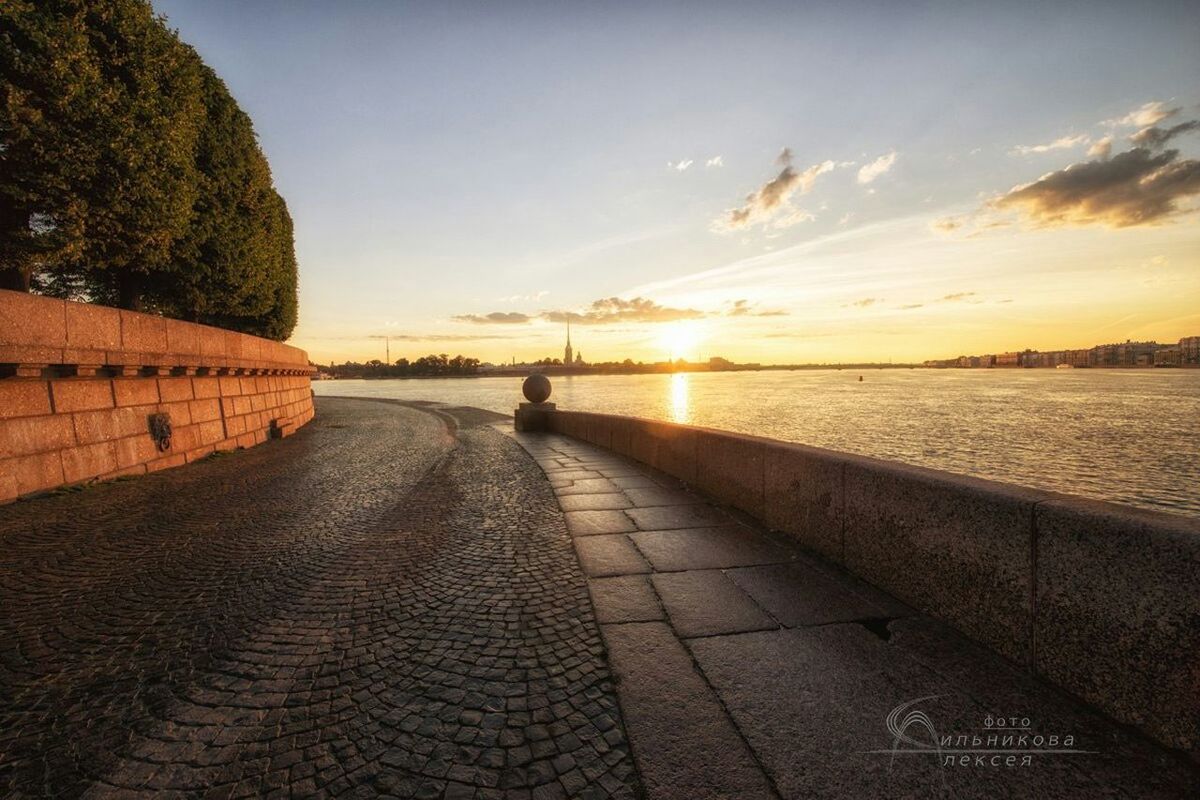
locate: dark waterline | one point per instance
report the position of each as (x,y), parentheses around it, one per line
(1127,436)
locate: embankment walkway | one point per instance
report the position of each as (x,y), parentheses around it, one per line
(400,601)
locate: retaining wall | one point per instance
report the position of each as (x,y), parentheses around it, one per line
(1102,600)
(79,382)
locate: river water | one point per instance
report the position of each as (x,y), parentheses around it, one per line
(1128,436)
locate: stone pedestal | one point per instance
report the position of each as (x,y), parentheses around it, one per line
(531,416)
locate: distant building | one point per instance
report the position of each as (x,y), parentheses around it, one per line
(1189,351)
(567,359)
(1008,360)
(1168,357)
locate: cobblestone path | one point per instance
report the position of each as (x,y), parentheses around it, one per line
(385,604)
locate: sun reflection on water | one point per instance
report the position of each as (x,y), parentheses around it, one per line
(679,398)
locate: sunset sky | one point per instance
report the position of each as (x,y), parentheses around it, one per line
(772,182)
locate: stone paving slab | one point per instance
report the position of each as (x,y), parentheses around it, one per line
(658,496)
(590,523)
(625,598)
(663,518)
(707,548)
(811,700)
(706,603)
(610,554)
(594,502)
(685,745)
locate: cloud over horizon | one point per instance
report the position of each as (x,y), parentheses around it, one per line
(605,311)
(495,318)
(772,197)
(1137,187)
(1061,143)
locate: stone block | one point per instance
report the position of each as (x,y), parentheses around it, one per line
(803,497)
(92,327)
(166,462)
(677,451)
(204,387)
(83,394)
(23,398)
(111,423)
(205,410)
(954,547)
(135,450)
(26,435)
(143,333)
(135,391)
(33,473)
(32,320)
(172,390)
(729,467)
(183,340)
(88,461)
(1118,613)
(643,444)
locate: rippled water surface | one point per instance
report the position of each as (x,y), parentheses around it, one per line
(1130,436)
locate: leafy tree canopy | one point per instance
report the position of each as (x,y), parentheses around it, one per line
(130,176)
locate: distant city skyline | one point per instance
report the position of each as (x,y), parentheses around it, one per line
(780,183)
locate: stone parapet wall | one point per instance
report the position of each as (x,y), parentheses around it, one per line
(79,383)
(1100,599)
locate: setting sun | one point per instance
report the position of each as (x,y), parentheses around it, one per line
(681,340)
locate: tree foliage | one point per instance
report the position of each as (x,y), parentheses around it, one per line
(130,175)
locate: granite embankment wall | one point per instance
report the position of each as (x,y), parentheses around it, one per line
(79,383)
(1100,599)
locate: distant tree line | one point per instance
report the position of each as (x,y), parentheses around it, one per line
(425,366)
(129,176)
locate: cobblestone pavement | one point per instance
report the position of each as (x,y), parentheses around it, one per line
(749,669)
(385,604)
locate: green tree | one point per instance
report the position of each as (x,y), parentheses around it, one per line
(126,118)
(129,174)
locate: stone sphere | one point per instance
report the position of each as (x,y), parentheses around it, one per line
(536,388)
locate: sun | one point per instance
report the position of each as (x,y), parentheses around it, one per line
(681,340)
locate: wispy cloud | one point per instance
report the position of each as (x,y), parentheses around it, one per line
(680,166)
(955,297)
(420,337)
(609,310)
(910,306)
(869,172)
(744,308)
(606,311)
(772,197)
(495,318)
(715,161)
(524,298)
(1061,143)
(1150,113)
(866,302)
